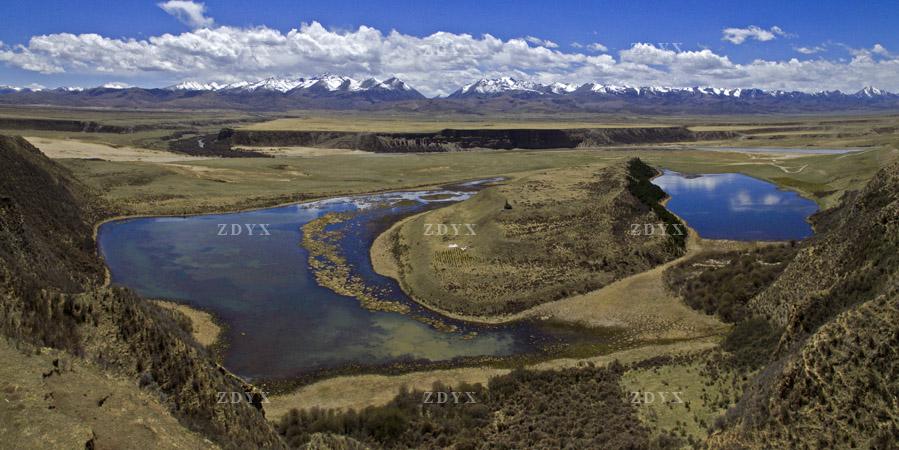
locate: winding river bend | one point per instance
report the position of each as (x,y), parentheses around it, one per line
(280,322)
(250,271)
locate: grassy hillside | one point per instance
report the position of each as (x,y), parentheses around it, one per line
(52,295)
(836,370)
(543,237)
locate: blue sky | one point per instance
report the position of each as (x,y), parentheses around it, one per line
(829,36)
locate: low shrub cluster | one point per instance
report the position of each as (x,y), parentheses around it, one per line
(722,283)
(566,409)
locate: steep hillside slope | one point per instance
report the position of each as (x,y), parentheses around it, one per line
(835,379)
(52,295)
(854,261)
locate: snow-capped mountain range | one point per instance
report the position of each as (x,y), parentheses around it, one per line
(324,83)
(493,94)
(508,86)
(484,88)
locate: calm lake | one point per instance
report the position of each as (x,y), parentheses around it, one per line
(737,207)
(280,322)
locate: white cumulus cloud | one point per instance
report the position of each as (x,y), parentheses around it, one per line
(435,64)
(541,42)
(740,35)
(190,13)
(881,50)
(810,50)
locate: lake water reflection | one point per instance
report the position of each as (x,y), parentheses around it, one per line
(738,207)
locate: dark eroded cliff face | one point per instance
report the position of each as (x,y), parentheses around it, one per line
(52,295)
(455,140)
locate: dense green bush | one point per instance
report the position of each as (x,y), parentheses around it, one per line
(722,283)
(640,185)
(751,342)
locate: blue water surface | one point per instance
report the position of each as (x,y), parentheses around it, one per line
(280,322)
(738,207)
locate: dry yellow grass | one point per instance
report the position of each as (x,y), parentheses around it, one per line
(70,148)
(79,403)
(640,303)
(205,330)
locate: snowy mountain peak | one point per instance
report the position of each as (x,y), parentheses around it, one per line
(524,89)
(115,85)
(322,85)
(331,83)
(195,86)
(499,85)
(562,88)
(395,84)
(606,89)
(870,91)
(272,84)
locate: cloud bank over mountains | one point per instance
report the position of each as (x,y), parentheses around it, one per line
(435,64)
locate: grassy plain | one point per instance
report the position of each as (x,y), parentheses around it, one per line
(80,149)
(236,183)
(147,129)
(122,117)
(423,124)
(144,183)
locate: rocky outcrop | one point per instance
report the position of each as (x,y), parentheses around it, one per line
(9,123)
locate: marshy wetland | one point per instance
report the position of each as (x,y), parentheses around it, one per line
(285,315)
